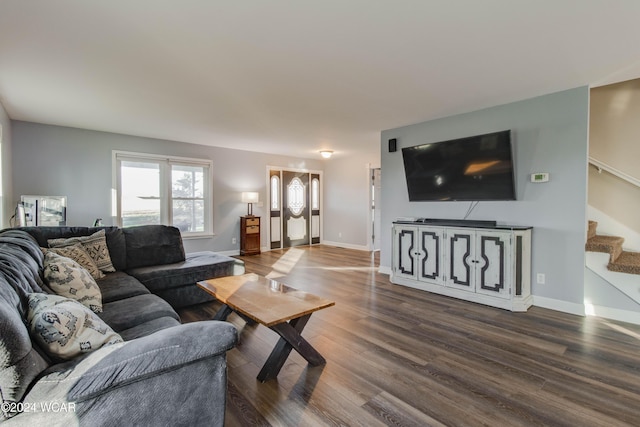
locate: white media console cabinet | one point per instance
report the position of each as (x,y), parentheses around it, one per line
(472,260)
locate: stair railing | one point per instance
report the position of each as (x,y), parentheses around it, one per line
(601,166)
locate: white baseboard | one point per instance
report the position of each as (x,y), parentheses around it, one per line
(346,245)
(613,314)
(229,253)
(559,305)
(384,270)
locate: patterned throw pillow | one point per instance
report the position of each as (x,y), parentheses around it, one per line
(95,245)
(65,328)
(77,253)
(68,279)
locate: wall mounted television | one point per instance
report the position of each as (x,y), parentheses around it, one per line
(474,168)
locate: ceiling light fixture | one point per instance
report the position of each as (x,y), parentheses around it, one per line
(326,153)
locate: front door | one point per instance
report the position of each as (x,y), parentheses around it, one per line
(295,208)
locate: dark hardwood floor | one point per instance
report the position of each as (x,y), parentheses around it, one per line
(400,356)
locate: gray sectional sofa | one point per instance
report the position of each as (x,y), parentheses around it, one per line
(164,373)
(154,255)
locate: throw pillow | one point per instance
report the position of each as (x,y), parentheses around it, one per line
(68,279)
(95,245)
(65,328)
(77,253)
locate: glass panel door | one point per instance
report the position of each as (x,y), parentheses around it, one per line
(295,208)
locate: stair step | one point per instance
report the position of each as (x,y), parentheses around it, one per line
(591,229)
(627,262)
(607,244)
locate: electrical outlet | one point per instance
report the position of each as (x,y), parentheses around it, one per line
(339,235)
(540,278)
(233,241)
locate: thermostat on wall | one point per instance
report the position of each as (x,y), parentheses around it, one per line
(540,177)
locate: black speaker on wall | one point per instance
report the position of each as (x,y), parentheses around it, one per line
(393,146)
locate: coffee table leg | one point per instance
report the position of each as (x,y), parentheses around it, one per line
(290,338)
(223,313)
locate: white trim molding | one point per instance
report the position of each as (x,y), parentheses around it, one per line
(559,305)
(346,245)
(602,166)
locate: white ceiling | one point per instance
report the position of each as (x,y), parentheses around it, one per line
(296,76)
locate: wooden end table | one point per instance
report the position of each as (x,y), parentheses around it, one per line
(283,309)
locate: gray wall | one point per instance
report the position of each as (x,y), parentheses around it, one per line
(549,134)
(7,207)
(347,196)
(77,163)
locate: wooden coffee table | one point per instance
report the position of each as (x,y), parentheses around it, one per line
(279,307)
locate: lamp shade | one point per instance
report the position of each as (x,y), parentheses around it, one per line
(250,197)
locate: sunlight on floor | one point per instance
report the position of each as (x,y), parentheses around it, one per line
(589,309)
(286,263)
(622,329)
(348,268)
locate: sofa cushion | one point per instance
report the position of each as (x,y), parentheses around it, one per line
(95,245)
(148,328)
(68,279)
(184,296)
(127,313)
(153,245)
(114,235)
(20,362)
(120,285)
(77,253)
(64,328)
(197,266)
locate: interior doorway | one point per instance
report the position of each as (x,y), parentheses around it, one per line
(376,191)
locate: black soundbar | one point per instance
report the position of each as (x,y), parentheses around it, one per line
(463,222)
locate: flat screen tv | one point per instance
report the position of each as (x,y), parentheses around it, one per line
(475,168)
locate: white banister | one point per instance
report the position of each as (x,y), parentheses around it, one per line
(613,171)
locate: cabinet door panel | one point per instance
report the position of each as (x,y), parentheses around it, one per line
(430,257)
(404,252)
(493,270)
(460,263)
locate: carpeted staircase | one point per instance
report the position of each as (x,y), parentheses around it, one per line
(619,260)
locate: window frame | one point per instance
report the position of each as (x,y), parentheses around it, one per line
(166,191)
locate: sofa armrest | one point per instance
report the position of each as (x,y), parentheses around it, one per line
(176,376)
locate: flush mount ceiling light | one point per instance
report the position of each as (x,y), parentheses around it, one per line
(326,153)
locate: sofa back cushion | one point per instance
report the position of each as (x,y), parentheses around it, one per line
(153,245)
(114,236)
(20,362)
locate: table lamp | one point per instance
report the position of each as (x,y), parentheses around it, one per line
(249,197)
